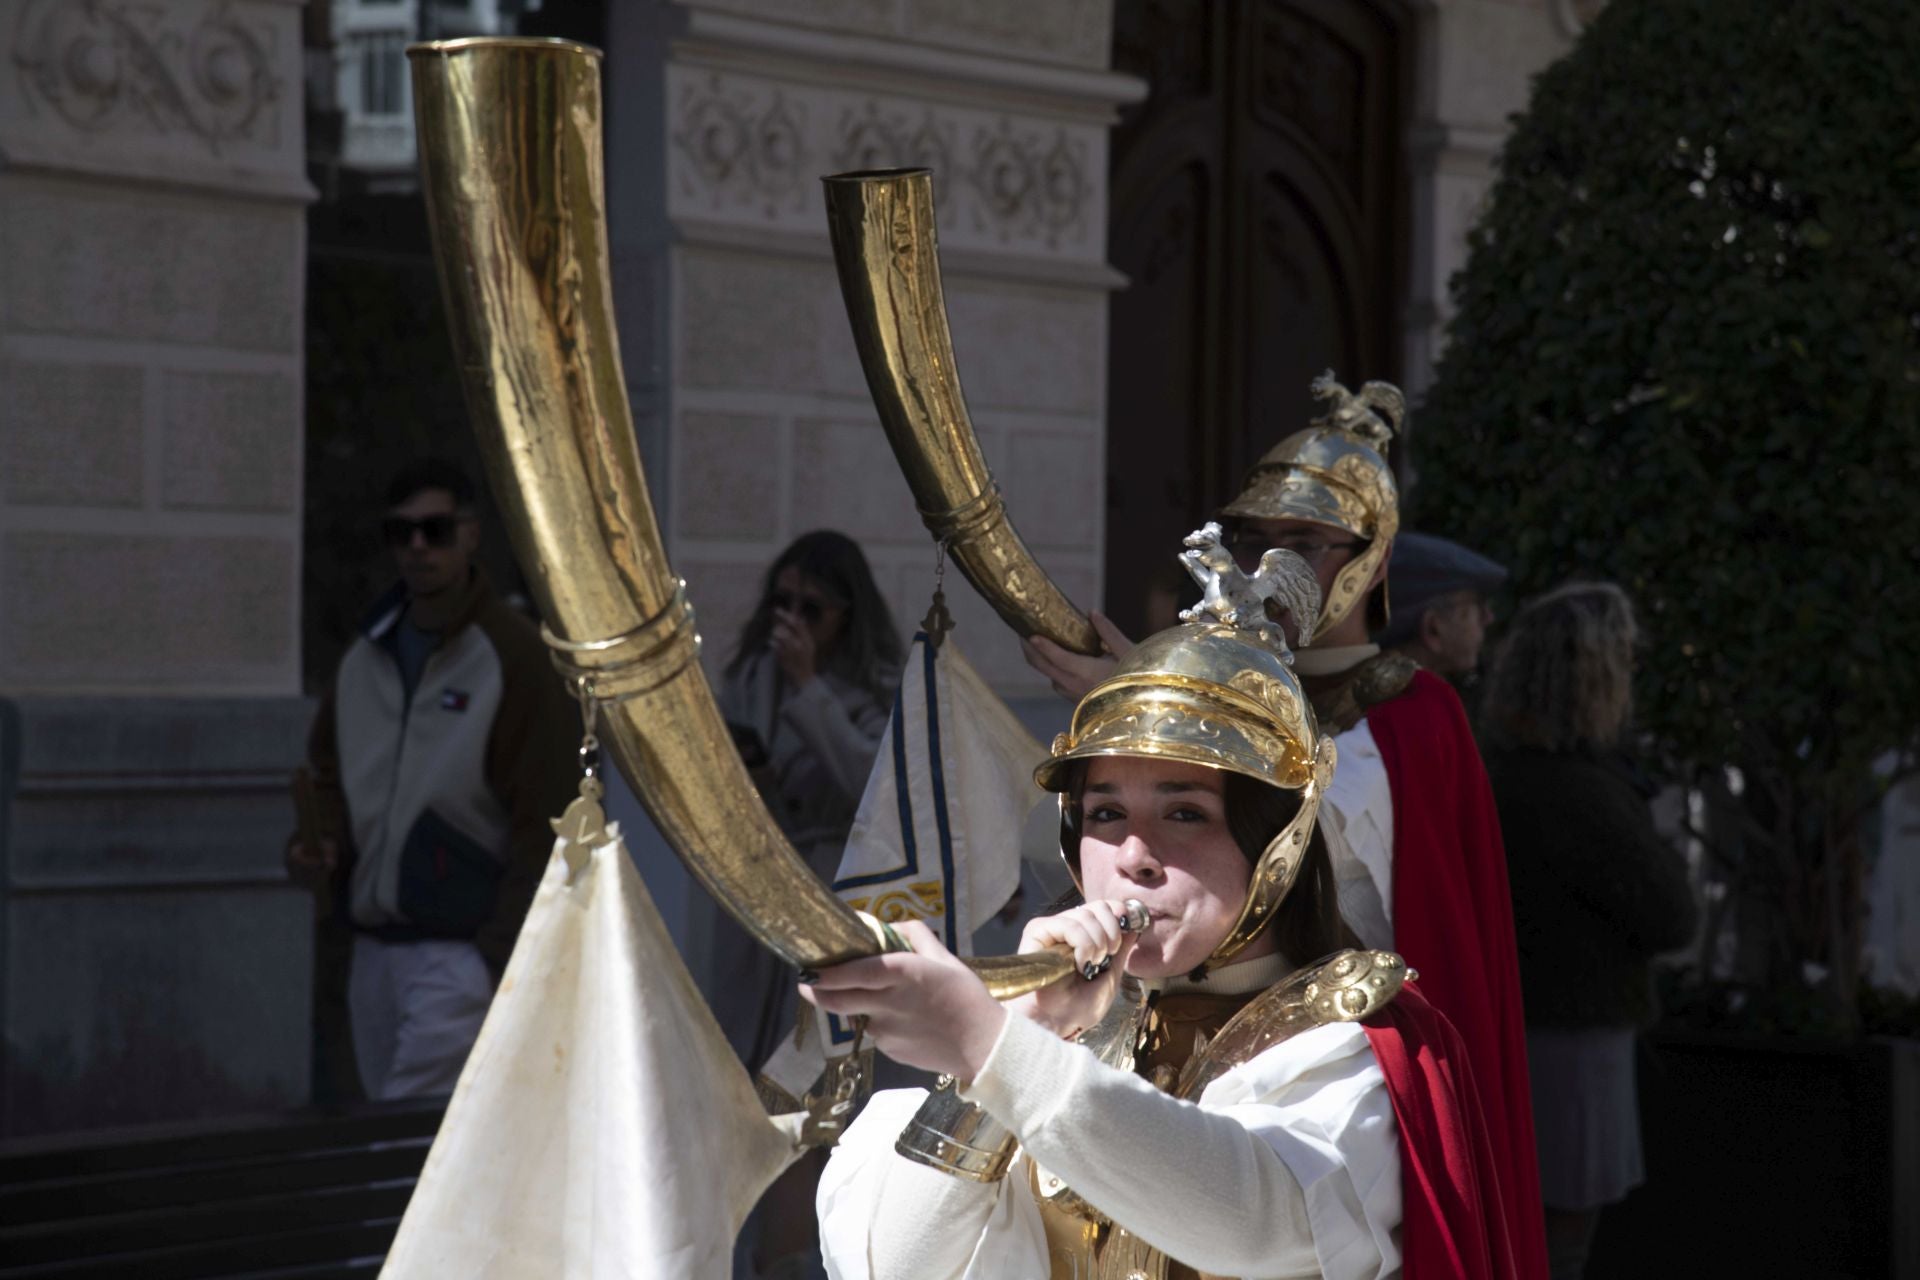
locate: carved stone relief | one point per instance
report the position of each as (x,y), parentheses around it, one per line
(872,136)
(751,150)
(743,148)
(119,66)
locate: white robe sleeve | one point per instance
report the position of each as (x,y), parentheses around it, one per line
(883,1217)
(1288,1166)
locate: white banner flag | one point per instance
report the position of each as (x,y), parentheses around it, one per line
(938,834)
(602,1127)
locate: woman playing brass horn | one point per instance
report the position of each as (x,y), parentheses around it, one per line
(1225,1098)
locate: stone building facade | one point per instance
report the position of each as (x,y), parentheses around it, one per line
(755,421)
(152,195)
(152,253)
(758,422)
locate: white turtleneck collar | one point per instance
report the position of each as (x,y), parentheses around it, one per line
(1235,979)
(1331,662)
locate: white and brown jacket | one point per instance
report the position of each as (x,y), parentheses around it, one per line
(440,802)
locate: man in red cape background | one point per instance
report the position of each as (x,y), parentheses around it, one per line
(1413,831)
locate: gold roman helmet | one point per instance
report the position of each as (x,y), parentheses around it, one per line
(1335,473)
(1217,691)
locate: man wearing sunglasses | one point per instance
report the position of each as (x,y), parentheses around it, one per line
(444,746)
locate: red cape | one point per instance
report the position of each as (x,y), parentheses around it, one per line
(1453,921)
(1453,1222)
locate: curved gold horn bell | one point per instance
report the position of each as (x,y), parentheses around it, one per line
(884,243)
(511,160)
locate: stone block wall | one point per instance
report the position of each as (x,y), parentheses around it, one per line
(152,255)
(154,963)
(756,420)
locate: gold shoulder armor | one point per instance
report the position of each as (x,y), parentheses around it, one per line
(1345,987)
(1340,702)
(1382,678)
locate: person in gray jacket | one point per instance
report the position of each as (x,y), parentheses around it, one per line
(807,693)
(444,746)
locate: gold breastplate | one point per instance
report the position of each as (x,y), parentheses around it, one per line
(1084,1244)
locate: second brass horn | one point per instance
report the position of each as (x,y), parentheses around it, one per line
(511,161)
(888,253)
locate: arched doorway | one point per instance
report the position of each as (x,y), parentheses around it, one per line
(1259,211)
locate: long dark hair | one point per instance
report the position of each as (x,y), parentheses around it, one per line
(868,652)
(1562,680)
(1308,925)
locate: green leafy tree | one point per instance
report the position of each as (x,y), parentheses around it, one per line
(1686,357)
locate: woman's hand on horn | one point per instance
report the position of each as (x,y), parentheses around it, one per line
(1100,947)
(923,1007)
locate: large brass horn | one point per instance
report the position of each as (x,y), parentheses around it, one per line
(885,245)
(511,159)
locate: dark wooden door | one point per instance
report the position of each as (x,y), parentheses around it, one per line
(1258,210)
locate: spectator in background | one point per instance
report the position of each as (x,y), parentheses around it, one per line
(1438,591)
(807,694)
(1597,892)
(444,746)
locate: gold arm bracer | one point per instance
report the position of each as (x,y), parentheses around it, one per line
(961,1138)
(511,161)
(885,246)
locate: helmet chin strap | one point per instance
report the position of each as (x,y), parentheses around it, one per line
(1070,840)
(1279,865)
(1351,588)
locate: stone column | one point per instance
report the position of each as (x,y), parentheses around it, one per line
(756,421)
(1474,67)
(152,262)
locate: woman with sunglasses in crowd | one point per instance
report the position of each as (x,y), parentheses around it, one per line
(807,693)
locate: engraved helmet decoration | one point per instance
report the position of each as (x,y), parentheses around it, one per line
(1218,690)
(1335,473)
